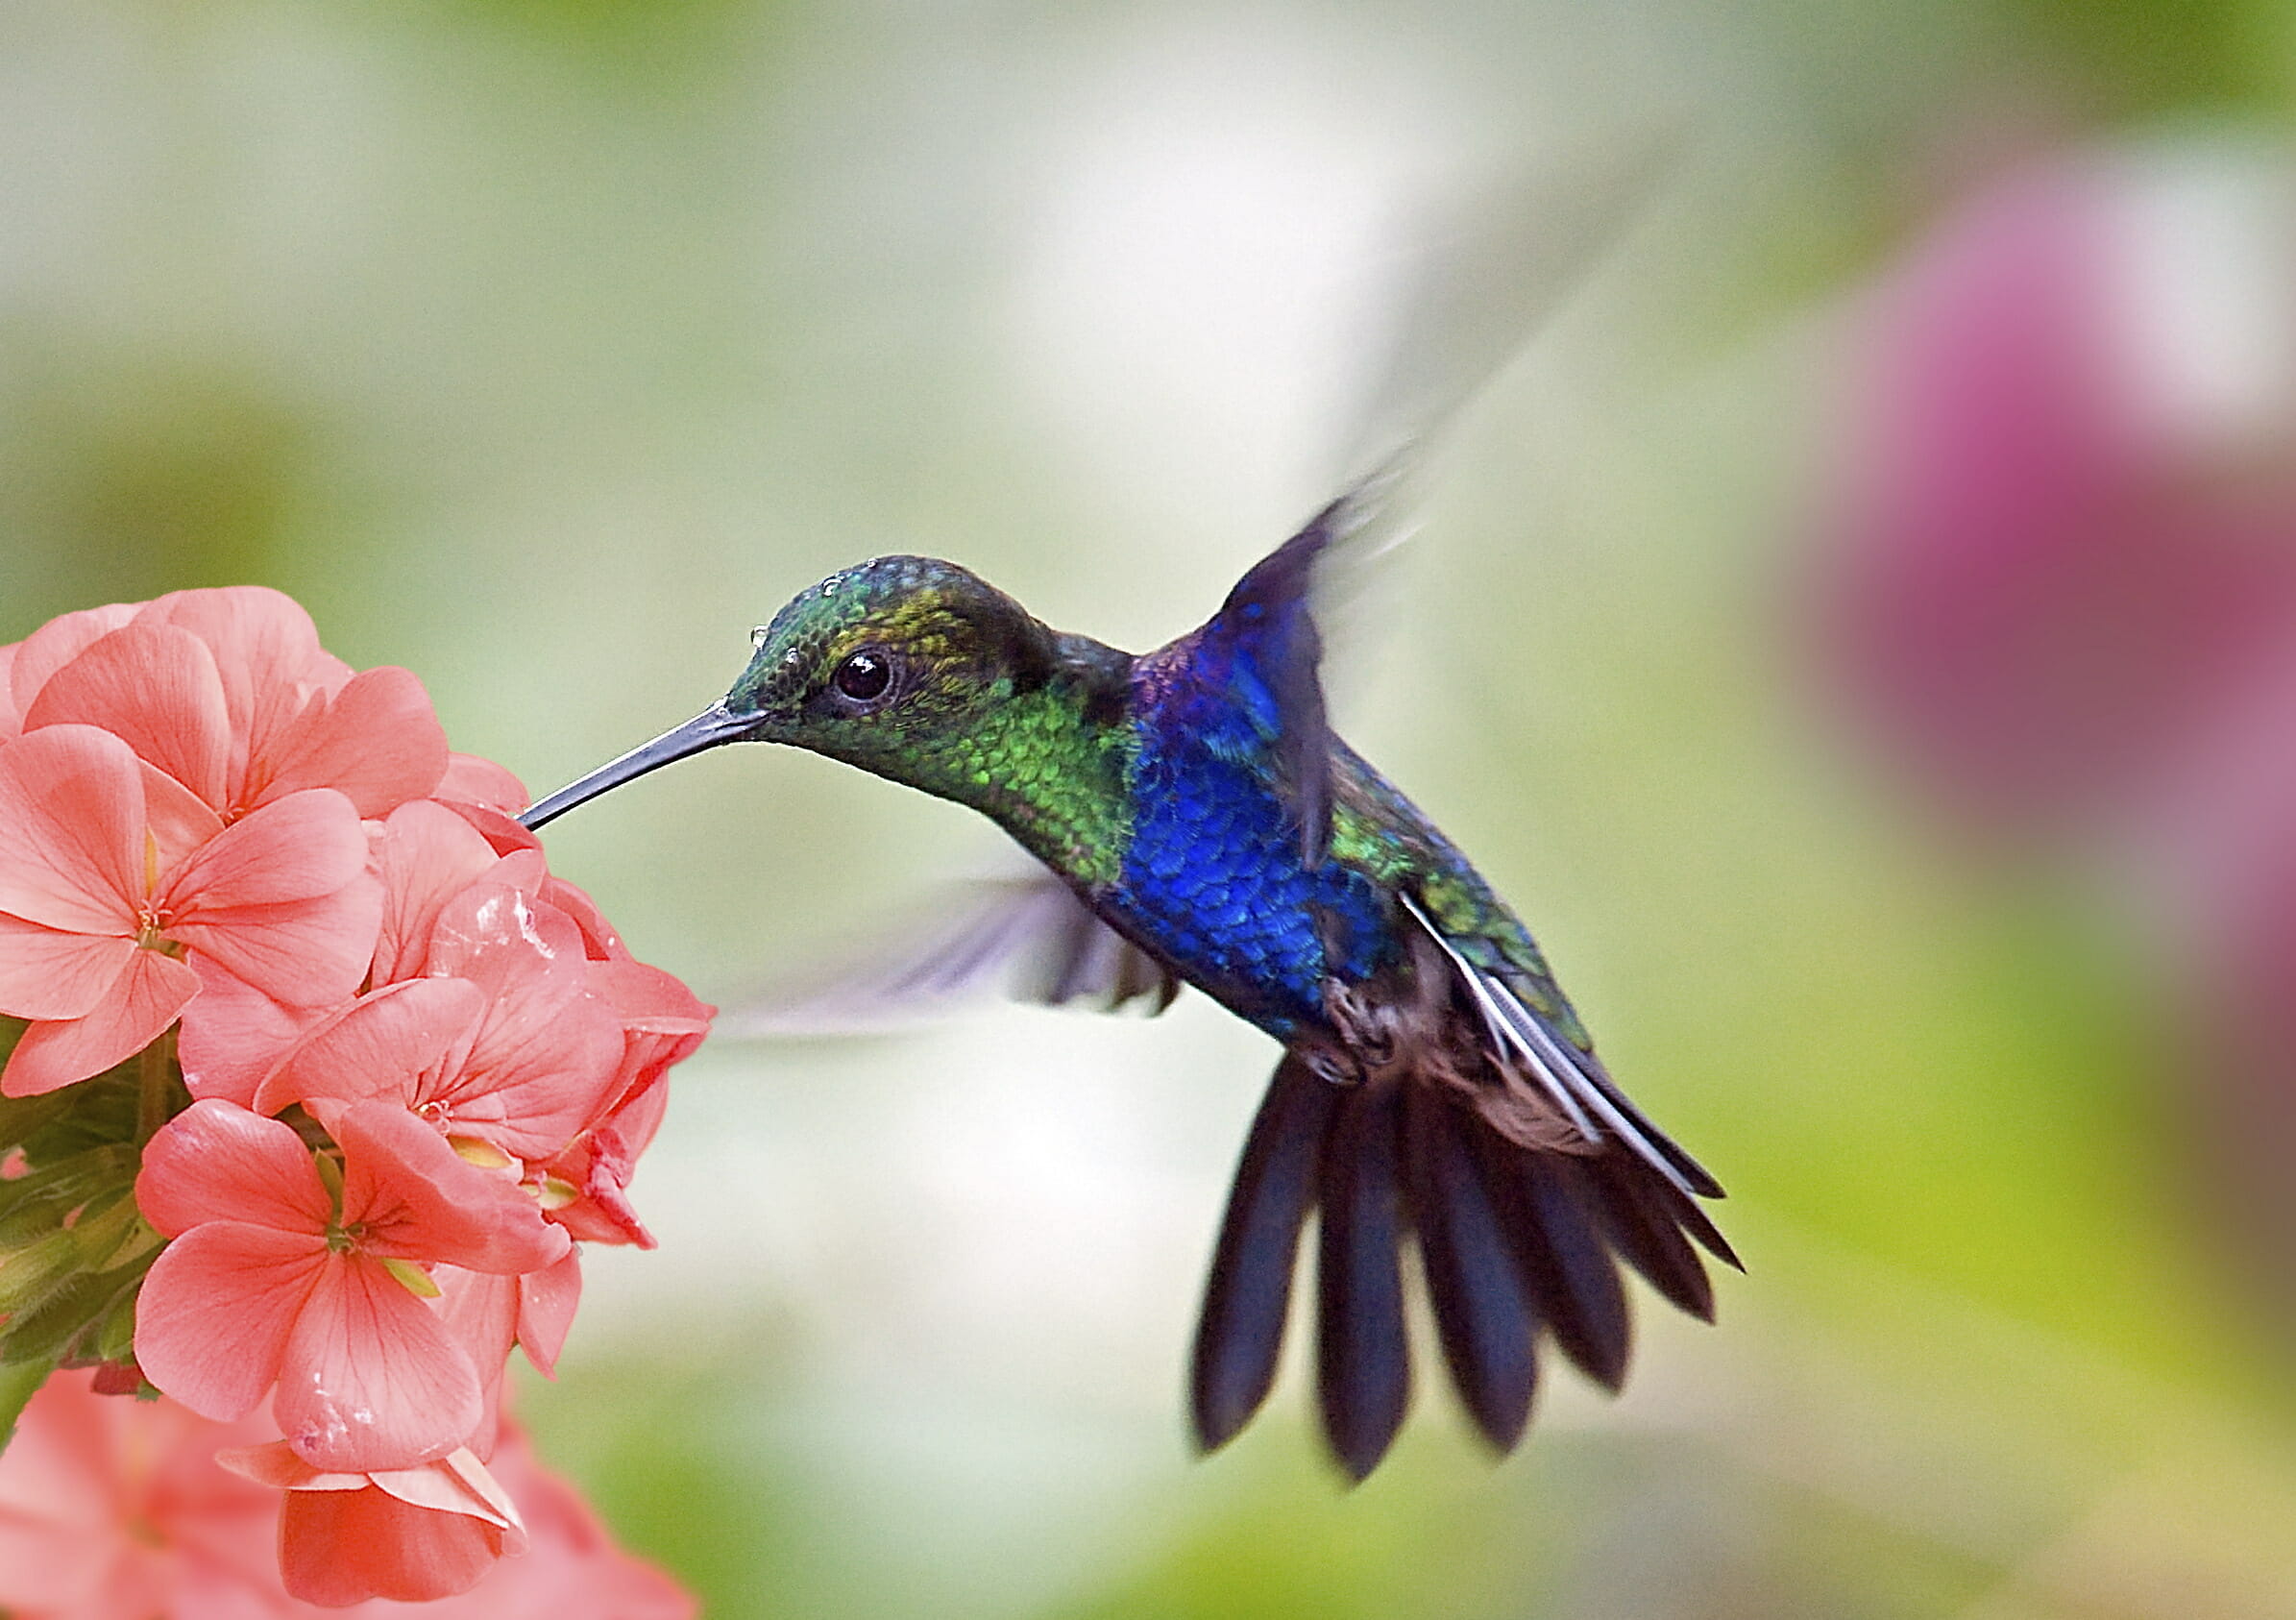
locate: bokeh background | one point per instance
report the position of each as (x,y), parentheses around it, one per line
(1860,633)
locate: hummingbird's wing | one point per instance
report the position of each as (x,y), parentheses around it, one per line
(1027,938)
(1506,253)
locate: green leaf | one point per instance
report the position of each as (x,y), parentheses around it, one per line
(19,1382)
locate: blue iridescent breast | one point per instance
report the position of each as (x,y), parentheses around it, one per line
(1213,879)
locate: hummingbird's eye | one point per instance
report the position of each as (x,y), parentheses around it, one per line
(864,677)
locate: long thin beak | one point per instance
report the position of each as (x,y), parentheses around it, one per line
(707,729)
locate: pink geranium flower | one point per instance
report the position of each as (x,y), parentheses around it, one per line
(120,893)
(505,1044)
(408,1534)
(275,1279)
(230,693)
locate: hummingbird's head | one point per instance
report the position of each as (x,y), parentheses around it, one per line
(909,667)
(888,662)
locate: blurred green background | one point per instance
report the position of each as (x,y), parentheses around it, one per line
(545,348)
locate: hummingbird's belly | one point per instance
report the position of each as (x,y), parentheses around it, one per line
(1212,881)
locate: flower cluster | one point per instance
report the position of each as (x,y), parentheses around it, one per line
(317,1074)
(114,1509)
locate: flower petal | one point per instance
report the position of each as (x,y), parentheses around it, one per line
(545,1310)
(382,1045)
(472,779)
(234,1035)
(154,687)
(300,847)
(544,1061)
(218,1311)
(268,656)
(47,973)
(71,830)
(57,643)
(369,1378)
(340,1548)
(303,953)
(426,855)
(216,1161)
(144,1001)
(179,820)
(480,1310)
(378,741)
(419,1199)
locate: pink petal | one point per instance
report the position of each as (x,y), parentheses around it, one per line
(56,644)
(370,1379)
(480,1310)
(216,1161)
(497,828)
(342,1548)
(72,830)
(378,741)
(219,1309)
(544,1062)
(598,937)
(177,819)
(46,973)
(268,656)
(386,1044)
(156,688)
(304,953)
(457,1482)
(470,780)
(277,1466)
(234,1035)
(146,999)
(300,847)
(425,856)
(419,1199)
(545,1310)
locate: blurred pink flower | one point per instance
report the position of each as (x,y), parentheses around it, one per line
(2065,590)
(274,1279)
(2053,561)
(111,875)
(114,1509)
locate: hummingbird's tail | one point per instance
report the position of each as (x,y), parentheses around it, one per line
(1515,1243)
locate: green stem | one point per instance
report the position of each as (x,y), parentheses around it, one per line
(152,1075)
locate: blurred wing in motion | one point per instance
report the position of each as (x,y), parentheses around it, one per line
(1508,253)
(1025,938)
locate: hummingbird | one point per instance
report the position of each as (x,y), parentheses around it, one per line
(1196,821)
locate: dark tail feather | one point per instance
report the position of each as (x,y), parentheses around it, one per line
(1483,1311)
(1642,1217)
(1364,1360)
(1241,1330)
(1574,1283)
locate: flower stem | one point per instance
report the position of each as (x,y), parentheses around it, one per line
(152,1067)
